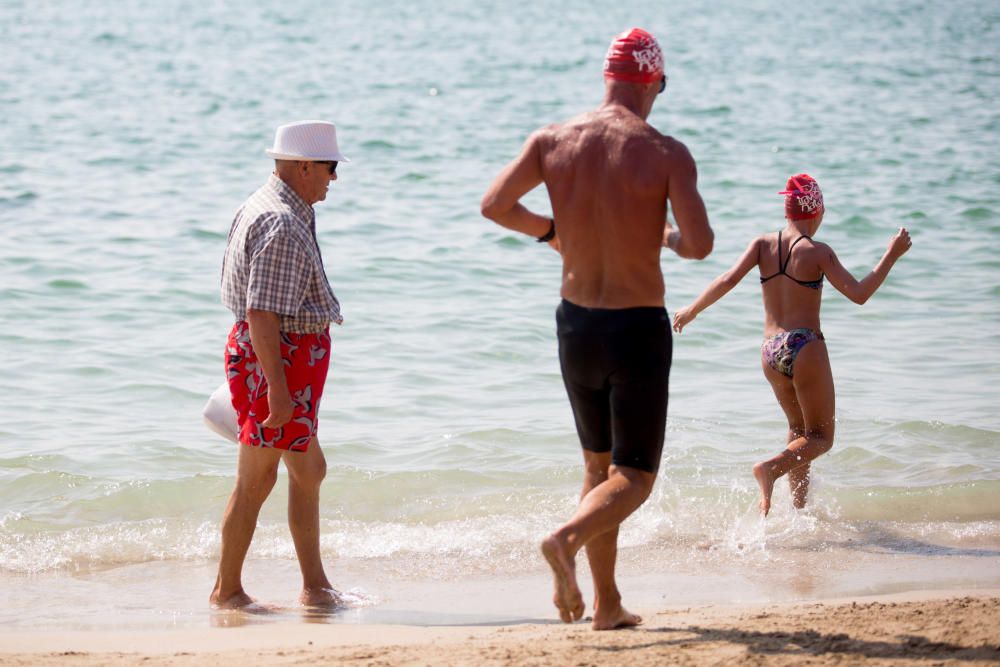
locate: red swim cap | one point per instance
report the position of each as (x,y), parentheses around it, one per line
(635,57)
(803,198)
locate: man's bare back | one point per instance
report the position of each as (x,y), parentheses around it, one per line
(608,174)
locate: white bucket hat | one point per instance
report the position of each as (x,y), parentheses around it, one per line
(308,140)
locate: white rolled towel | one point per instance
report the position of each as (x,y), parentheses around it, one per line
(219,414)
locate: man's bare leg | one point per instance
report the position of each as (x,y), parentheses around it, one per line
(306,471)
(256,473)
(602,553)
(609,614)
(601,510)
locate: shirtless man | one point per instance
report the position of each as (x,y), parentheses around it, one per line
(609,175)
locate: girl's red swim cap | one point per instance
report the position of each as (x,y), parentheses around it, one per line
(803,198)
(635,57)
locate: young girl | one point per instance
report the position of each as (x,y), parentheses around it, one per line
(794,356)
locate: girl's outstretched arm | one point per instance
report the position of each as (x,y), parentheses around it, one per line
(720,286)
(860,291)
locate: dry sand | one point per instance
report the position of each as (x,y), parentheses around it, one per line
(919,629)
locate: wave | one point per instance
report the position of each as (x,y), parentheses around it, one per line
(498,531)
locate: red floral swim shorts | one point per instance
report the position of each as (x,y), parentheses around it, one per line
(306,358)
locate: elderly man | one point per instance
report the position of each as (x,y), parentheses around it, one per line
(278,353)
(609,176)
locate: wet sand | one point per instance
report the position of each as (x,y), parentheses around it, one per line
(951,628)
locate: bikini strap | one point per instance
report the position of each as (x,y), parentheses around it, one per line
(789,257)
(780,270)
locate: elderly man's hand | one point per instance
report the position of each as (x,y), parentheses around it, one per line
(279,402)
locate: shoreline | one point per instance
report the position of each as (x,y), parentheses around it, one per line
(918,625)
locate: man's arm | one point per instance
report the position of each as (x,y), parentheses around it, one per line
(265,337)
(693,238)
(501,203)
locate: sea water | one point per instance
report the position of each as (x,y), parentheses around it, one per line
(131,131)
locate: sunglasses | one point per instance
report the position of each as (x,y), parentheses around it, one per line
(332,165)
(663,83)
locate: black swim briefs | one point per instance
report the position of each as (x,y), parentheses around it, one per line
(616,368)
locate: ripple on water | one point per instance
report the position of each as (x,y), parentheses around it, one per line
(721,110)
(207,234)
(858,223)
(22,199)
(115,215)
(66,284)
(978,213)
(378,144)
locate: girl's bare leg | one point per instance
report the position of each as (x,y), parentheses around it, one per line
(798,484)
(798,478)
(809,394)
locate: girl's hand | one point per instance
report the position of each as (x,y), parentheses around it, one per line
(900,243)
(682,317)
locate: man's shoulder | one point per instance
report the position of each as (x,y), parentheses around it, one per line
(670,142)
(659,140)
(614,123)
(265,200)
(267,207)
(575,125)
(256,216)
(262,223)
(547,134)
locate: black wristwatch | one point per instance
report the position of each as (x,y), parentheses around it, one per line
(549,235)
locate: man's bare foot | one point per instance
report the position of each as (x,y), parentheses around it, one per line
(239,600)
(766,482)
(320,597)
(567,597)
(617,617)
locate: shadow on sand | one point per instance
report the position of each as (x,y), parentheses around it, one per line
(808,643)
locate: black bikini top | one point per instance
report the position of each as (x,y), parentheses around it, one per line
(811,284)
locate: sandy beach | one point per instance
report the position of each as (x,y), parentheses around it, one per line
(913,628)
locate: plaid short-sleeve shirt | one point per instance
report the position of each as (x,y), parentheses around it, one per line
(273,262)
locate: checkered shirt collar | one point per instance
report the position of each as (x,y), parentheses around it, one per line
(287,195)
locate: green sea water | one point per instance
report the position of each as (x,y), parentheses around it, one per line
(132,131)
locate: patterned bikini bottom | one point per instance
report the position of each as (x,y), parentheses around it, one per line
(779,351)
